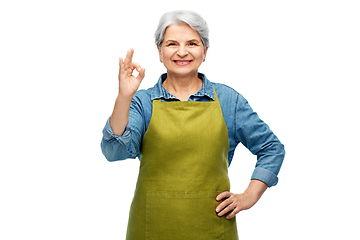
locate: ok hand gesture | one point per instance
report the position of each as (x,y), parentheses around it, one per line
(128,83)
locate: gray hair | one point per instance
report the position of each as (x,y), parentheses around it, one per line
(193,19)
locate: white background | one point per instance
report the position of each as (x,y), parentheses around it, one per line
(297,63)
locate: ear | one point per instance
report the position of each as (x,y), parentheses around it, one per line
(205,52)
(160,53)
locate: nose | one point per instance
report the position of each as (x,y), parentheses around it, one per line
(182,51)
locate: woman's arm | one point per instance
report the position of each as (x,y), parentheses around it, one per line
(117,143)
(255,135)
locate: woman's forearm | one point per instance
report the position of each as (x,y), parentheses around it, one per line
(120,115)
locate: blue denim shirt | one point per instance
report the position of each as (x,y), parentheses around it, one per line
(243,125)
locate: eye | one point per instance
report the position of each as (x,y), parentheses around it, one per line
(193,44)
(171,44)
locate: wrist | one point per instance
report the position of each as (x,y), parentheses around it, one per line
(124,98)
(256,189)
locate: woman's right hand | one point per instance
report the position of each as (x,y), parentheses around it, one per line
(128,83)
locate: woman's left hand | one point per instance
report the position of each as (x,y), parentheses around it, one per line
(234,203)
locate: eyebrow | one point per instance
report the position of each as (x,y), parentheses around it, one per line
(191,40)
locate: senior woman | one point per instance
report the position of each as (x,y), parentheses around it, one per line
(184,131)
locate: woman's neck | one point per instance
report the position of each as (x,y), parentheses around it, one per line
(182,87)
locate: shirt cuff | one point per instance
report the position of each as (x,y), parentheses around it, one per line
(266,176)
(110,137)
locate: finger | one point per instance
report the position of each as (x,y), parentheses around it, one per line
(233,213)
(227,209)
(129,57)
(136,66)
(140,70)
(223,205)
(222,195)
(141,75)
(121,66)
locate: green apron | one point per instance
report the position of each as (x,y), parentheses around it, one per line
(183,168)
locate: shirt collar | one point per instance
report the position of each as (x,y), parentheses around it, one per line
(159,91)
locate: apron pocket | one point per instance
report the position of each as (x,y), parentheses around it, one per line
(178,215)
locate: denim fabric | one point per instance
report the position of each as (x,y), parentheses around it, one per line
(242,122)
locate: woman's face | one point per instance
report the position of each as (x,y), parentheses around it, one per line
(182,51)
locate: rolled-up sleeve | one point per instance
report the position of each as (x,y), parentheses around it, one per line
(128,145)
(256,135)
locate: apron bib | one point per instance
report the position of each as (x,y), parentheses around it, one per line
(183,168)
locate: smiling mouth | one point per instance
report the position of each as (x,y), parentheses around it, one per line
(182,62)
